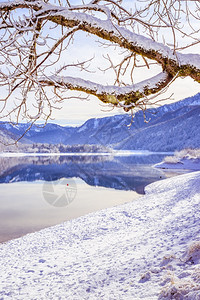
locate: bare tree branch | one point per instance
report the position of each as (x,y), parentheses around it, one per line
(32,51)
(112,94)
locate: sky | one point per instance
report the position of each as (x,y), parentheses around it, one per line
(74,111)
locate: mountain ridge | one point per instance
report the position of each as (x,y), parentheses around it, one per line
(169,128)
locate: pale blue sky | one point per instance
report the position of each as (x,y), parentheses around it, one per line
(76,111)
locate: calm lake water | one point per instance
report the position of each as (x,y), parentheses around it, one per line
(41,191)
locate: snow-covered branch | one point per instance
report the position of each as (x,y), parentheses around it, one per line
(185,64)
(129,94)
(29,48)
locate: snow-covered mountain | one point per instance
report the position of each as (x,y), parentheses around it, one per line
(51,133)
(169,127)
(179,131)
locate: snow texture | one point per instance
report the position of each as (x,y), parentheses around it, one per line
(186,164)
(136,40)
(97,88)
(147,249)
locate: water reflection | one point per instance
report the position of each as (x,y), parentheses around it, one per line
(118,172)
(24,209)
(101,181)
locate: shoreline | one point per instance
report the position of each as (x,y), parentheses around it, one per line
(183,164)
(113,153)
(34,213)
(126,251)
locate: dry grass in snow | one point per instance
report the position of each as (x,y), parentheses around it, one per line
(179,155)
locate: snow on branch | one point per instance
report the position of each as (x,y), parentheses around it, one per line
(28,52)
(129,94)
(185,64)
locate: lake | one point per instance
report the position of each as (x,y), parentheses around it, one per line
(39,191)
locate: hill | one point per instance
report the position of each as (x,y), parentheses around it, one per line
(170,127)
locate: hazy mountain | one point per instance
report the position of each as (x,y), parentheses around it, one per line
(169,127)
(51,133)
(7,138)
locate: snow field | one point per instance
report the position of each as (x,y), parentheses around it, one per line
(147,249)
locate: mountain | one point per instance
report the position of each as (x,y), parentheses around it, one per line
(51,133)
(175,133)
(9,138)
(168,128)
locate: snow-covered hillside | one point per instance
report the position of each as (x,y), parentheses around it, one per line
(174,132)
(147,249)
(171,127)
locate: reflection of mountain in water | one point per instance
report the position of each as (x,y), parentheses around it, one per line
(123,173)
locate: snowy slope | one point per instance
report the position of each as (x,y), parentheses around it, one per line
(147,249)
(174,122)
(176,133)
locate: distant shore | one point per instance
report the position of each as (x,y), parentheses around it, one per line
(183,164)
